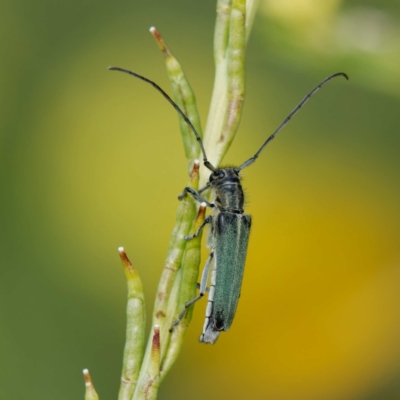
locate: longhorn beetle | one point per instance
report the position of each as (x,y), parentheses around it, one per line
(230,228)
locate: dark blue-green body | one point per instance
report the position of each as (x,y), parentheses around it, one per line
(229,236)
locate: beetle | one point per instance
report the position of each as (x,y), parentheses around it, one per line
(230,228)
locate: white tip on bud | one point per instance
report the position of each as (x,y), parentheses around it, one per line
(121,249)
(152,29)
(204,205)
(196,162)
(86,376)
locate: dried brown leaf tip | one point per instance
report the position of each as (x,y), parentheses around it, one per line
(129,269)
(160,41)
(90,393)
(202,211)
(195,170)
(156,339)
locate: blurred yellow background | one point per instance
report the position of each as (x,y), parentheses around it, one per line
(92,160)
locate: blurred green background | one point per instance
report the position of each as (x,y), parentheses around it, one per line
(92,160)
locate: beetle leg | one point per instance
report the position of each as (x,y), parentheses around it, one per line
(207,186)
(203,288)
(196,195)
(208,220)
(201,190)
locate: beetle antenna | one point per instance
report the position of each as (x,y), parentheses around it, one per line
(289,117)
(180,112)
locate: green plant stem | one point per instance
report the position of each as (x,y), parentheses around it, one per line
(162,317)
(251,10)
(147,387)
(187,291)
(143,370)
(135,330)
(184,97)
(234,22)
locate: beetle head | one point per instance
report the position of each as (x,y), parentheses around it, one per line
(224,176)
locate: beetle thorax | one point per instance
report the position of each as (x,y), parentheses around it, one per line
(229,194)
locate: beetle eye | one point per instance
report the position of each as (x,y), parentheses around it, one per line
(213,176)
(221,174)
